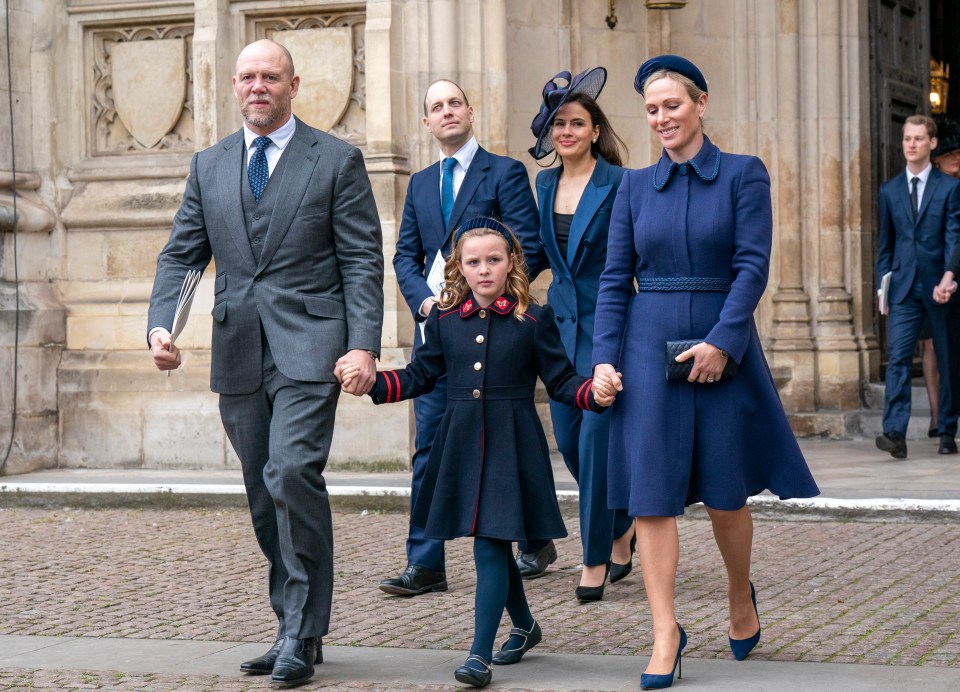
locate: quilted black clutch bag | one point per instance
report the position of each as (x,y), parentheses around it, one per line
(681,371)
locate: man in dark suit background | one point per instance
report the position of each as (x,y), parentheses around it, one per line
(919,229)
(469,181)
(288,216)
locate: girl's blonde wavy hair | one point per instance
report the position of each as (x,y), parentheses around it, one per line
(455,289)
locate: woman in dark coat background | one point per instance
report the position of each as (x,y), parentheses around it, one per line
(575,200)
(695,231)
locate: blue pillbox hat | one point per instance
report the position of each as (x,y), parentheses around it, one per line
(673,63)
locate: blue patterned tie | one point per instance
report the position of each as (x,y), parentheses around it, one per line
(446,190)
(258,173)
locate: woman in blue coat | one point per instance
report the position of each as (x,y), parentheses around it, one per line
(694,231)
(575,200)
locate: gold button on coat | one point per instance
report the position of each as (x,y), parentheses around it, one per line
(479,338)
(476,393)
(477,366)
(483,313)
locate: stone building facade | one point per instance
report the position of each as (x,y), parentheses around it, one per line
(112,97)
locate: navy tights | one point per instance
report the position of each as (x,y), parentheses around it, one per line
(499,586)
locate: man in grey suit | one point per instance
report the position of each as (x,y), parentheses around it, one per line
(288,216)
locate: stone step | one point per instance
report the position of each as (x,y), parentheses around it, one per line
(866,422)
(874,391)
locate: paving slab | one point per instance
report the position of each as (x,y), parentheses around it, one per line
(397,668)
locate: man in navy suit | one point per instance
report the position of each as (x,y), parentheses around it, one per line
(469,181)
(919,229)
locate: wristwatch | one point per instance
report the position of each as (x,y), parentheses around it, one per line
(723,353)
(373,354)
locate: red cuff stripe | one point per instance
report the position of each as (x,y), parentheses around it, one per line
(584,392)
(396,378)
(386,381)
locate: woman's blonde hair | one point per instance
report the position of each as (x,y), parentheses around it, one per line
(455,289)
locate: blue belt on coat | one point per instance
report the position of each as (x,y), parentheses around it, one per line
(683,283)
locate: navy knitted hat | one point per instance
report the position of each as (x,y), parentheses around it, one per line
(673,63)
(483,222)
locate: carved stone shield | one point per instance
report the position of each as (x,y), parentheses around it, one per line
(324,60)
(149,86)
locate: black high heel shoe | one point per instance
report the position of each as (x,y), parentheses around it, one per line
(618,571)
(742,647)
(593,593)
(649,681)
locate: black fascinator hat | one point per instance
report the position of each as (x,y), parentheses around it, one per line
(589,82)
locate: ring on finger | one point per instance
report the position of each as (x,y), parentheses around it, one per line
(710,379)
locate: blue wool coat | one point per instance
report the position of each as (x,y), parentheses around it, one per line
(489,471)
(675,443)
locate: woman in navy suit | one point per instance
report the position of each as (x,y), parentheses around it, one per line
(575,201)
(695,232)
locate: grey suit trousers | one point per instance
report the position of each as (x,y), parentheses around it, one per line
(282,434)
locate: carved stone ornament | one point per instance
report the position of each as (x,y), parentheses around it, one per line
(142,89)
(329,55)
(325,57)
(149,87)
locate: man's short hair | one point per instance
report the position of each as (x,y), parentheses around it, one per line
(448,81)
(920,119)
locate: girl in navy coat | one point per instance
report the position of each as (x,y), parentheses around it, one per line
(489,474)
(694,231)
(575,202)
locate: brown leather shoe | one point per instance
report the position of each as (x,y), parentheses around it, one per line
(414,581)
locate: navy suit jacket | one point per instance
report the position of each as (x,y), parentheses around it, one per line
(910,248)
(576,277)
(495,186)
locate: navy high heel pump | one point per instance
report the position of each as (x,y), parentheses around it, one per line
(618,571)
(659,682)
(742,647)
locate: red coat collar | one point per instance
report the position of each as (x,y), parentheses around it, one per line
(502,306)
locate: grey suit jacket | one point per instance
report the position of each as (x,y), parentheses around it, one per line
(317,290)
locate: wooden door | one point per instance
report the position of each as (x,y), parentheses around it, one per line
(900,68)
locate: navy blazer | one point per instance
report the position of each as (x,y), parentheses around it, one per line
(921,247)
(495,186)
(576,277)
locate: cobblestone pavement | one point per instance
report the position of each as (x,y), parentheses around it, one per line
(840,592)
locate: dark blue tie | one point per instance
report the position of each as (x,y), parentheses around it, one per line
(258,173)
(446,190)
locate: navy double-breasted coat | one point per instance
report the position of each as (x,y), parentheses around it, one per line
(674,443)
(489,471)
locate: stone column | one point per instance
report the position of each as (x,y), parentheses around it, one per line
(31,318)
(791,342)
(826,219)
